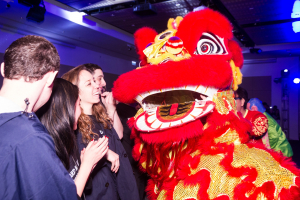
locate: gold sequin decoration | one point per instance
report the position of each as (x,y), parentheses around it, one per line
(230,136)
(219,101)
(267,167)
(221,183)
(182,191)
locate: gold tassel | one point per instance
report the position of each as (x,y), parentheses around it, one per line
(237,75)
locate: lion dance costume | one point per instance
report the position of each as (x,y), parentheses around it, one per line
(188,135)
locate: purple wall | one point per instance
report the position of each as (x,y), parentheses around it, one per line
(273,70)
(259,87)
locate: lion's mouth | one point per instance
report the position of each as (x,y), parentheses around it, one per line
(167,108)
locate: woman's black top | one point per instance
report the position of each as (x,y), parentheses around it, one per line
(106,184)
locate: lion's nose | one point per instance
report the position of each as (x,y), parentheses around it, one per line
(174,45)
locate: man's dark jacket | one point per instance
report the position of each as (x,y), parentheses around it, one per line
(29,166)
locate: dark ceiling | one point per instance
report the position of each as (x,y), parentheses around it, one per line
(127,20)
(255,22)
(262,20)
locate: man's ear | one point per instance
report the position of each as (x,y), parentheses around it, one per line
(51,78)
(248,106)
(2,69)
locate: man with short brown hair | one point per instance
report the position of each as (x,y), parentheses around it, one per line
(36,53)
(29,166)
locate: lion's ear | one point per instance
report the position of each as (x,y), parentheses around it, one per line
(174,23)
(142,38)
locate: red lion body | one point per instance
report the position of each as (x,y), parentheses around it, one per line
(188,135)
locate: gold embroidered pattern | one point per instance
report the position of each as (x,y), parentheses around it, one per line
(267,167)
(230,136)
(218,99)
(222,183)
(260,126)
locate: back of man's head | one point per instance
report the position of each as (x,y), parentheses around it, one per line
(29,68)
(30,57)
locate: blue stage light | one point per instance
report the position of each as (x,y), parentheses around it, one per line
(296,27)
(296,80)
(285,73)
(296,14)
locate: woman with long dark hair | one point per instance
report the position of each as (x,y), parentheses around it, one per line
(60,115)
(112,178)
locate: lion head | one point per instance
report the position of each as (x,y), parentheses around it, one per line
(183,75)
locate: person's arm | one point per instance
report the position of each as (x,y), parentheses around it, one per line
(117,124)
(114,159)
(277,137)
(89,158)
(110,105)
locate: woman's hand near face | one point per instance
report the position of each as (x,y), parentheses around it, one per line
(114,159)
(109,102)
(94,152)
(110,105)
(89,158)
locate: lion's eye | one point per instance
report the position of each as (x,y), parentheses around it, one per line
(205,48)
(210,44)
